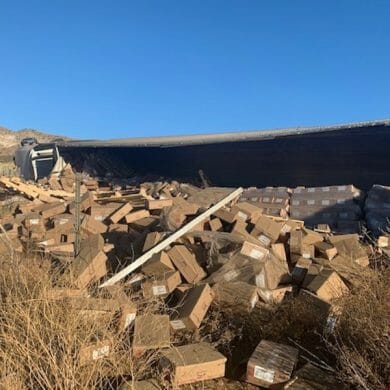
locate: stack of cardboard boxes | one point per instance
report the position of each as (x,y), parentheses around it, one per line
(272,200)
(377,209)
(337,206)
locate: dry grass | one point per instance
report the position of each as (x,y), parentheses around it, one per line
(361,341)
(40,339)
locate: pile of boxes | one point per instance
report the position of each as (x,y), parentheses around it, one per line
(259,259)
(377,209)
(272,200)
(337,206)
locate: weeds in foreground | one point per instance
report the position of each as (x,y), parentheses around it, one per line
(40,338)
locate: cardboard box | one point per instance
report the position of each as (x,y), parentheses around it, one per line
(256,252)
(98,310)
(127,316)
(275,296)
(313,270)
(307,251)
(161,285)
(311,237)
(95,351)
(240,227)
(158,204)
(333,192)
(158,264)
(271,363)
(67,183)
(326,250)
(192,308)
(147,223)
(348,270)
(91,226)
(32,220)
(236,295)
(118,227)
(319,309)
(86,202)
(279,250)
(350,247)
(60,234)
(199,227)
(91,184)
(215,225)
(246,211)
(58,293)
(151,240)
(27,207)
(51,209)
(121,213)
(102,212)
(300,270)
(63,219)
(186,263)
(194,363)
(64,249)
(226,215)
(328,285)
(96,304)
(177,215)
(268,227)
(238,268)
(54,183)
(136,215)
(90,265)
(262,238)
(118,293)
(273,272)
(151,331)
(383,241)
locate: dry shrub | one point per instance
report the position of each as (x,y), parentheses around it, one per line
(361,338)
(40,338)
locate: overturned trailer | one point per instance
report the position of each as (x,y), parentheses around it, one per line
(355,153)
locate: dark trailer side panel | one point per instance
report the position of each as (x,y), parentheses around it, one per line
(358,155)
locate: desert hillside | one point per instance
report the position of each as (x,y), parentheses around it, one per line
(9,139)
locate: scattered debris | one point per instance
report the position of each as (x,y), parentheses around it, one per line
(190,249)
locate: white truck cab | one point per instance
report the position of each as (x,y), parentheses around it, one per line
(35,160)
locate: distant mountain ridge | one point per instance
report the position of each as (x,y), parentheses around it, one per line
(10,140)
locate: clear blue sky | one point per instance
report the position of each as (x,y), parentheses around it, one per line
(105,69)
